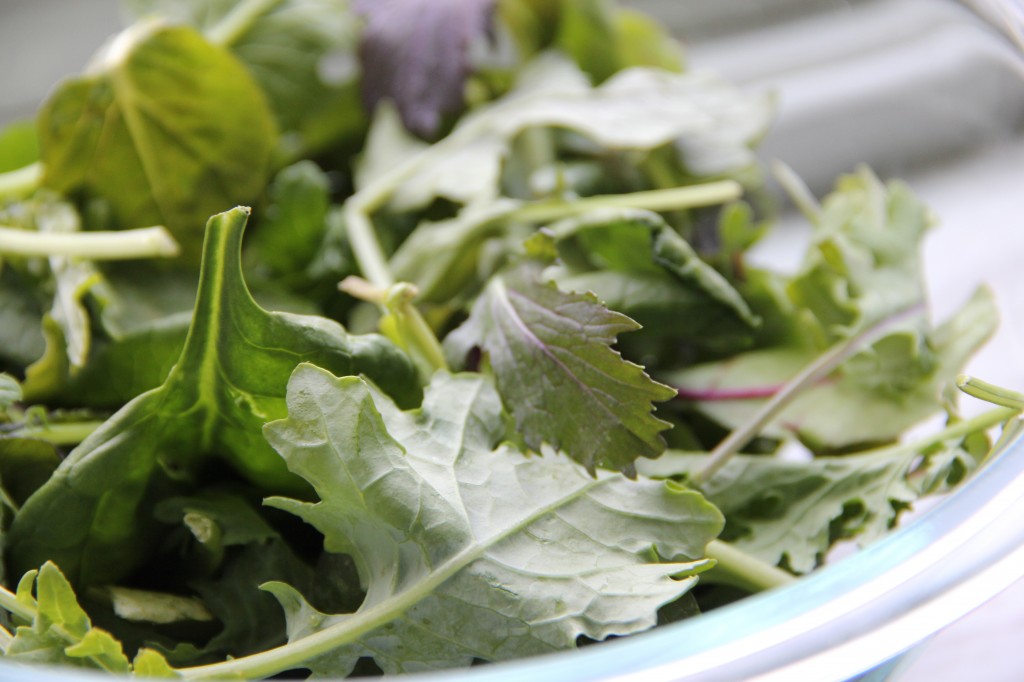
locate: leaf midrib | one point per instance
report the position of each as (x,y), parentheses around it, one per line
(362,622)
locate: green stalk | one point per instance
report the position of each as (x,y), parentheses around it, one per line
(671,199)
(416,334)
(366,248)
(365,245)
(239,21)
(144,242)
(997,395)
(69,433)
(817,370)
(9,602)
(956,430)
(402,322)
(21,182)
(798,191)
(735,567)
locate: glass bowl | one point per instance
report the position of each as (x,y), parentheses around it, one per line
(927,91)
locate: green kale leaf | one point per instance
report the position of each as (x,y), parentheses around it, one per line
(468,548)
(94,516)
(791,512)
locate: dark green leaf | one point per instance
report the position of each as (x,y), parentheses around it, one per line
(296,220)
(97,508)
(21,314)
(25,465)
(558,376)
(639,266)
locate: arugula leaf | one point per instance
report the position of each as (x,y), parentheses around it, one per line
(467,550)
(94,515)
(416,53)
(558,375)
(61,631)
(166,128)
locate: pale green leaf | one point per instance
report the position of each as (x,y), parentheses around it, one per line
(99,646)
(61,631)
(466,547)
(711,123)
(792,512)
(147,606)
(862,268)
(865,259)
(150,664)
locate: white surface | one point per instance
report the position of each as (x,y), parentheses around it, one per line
(983,647)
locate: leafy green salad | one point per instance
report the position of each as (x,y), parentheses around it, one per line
(484,372)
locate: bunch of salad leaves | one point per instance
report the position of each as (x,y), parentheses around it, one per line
(551,403)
